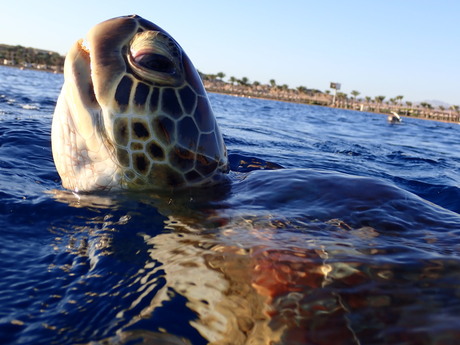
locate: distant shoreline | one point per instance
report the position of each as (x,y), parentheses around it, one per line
(30,68)
(321,100)
(327,106)
(324,100)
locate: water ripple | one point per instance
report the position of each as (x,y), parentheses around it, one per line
(355,241)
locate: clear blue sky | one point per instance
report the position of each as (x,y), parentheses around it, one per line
(377,47)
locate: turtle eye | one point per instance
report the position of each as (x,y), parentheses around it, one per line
(156,58)
(156,62)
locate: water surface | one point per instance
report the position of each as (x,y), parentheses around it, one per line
(356,241)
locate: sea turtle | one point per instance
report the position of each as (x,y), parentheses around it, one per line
(133,113)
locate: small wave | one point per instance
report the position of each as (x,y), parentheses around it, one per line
(30,106)
(7,100)
(439,194)
(48,102)
(266,108)
(410,158)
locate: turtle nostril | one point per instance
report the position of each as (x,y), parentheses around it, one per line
(155,62)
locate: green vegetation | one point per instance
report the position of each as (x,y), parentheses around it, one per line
(246,88)
(19,56)
(355,94)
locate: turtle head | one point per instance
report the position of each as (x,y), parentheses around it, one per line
(133,113)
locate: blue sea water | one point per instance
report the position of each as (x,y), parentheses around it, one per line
(355,241)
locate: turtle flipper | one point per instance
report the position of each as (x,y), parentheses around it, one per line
(240,163)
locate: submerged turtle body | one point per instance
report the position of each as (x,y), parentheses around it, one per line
(133,113)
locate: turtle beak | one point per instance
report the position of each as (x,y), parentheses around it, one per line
(77,68)
(84,45)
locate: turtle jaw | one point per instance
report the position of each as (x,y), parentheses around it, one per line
(78,69)
(82,154)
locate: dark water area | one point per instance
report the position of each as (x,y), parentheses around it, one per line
(355,241)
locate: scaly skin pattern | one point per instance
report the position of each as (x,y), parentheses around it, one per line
(133,114)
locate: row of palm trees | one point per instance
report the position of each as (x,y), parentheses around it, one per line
(245,83)
(395,101)
(342,100)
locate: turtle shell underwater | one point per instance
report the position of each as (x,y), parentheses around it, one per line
(133,113)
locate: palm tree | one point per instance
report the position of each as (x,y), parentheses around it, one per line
(456,108)
(272,82)
(409,104)
(368,100)
(399,98)
(233,80)
(302,89)
(426,105)
(355,93)
(244,81)
(211,77)
(220,75)
(379,101)
(342,97)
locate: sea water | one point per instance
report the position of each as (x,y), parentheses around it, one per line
(355,241)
